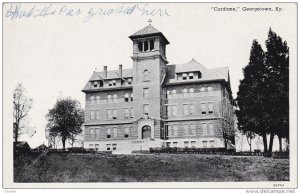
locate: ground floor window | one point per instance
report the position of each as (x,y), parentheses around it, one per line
(108,147)
(193,144)
(168,144)
(97,147)
(114,146)
(186,144)
(204,143)
(212,143)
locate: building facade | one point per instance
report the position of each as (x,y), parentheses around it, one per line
(155,104)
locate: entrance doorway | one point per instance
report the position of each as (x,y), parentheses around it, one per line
(146,132)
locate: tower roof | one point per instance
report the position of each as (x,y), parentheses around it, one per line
(148,30)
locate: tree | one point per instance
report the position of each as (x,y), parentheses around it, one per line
(22,106)
(277,106)
(225,121)
(252,97)
(250,135)
(65,119)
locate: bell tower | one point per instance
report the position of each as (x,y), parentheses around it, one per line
(149,69)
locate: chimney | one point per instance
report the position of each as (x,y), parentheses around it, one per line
(105,71)
(120,71)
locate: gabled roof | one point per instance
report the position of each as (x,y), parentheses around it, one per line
(114,74)
(221,73)
(192,65)
(149,31)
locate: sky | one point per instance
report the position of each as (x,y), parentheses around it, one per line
(54,54)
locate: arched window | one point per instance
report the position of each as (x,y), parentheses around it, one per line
(146,75)
(98,99)
(168,94)
(131,97)
(185,93)
(174,93)
(92,99)
(115,97)
(109,99)
(191,91)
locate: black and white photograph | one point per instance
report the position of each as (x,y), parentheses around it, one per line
(149,95)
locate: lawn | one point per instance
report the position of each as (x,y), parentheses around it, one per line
(148,168)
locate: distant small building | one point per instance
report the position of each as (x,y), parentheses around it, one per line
(40,148)
(21,146)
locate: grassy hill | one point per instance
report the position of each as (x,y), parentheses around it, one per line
(148,168)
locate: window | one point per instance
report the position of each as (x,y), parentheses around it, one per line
(174,110)
(126,132)
(168,94)
(114,146)
(203,108)
(146,92)
(108,133)
(95,84)
(107,147)
(184,76)
(185,93)
(151,45)
(146,75)
(114,83)
(175,144)
(209,89)
(202,89)
(146,109)
(174,93)
(210,107)
(192,109)
(92,133)
(92,115)
(131,97)
(169,110)
(204,128)
(115,114)
(146,46)
(192,91)
(97,114)
(126,113)
(115,98)
(204,143)
(186,144)
(91,146)
(186,129)
(109,100)
(140,46)
(131,112)
(126,97)
(175,130)
(108,114)
(193,130)
(92,99)
(191,75)
(129,81)
(211,128)
(185,109)
(110,83)
(212,143)
(98,99)
(193,144)
(97,132)
(115,131)
(168,144)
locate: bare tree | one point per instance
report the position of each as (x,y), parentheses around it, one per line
(225,121)
(22,106)
(250,135)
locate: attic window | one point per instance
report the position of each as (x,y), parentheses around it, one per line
(110,83)
(191,75)
(95,84)
(101,83)
(114,82)
(184,76)
(129,81)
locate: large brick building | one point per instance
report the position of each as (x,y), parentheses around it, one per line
(155,104)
